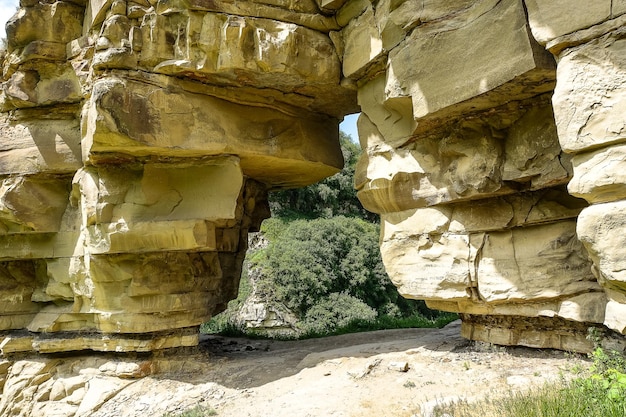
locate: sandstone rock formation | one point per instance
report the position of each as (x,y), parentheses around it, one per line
(139,139)
(483,153)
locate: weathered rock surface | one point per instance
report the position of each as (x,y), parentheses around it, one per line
(471,132)
(262,317)
(587,105)
(588,98)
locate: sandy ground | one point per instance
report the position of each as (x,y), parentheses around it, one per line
(384,373)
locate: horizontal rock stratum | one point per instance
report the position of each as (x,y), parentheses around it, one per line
(139,139)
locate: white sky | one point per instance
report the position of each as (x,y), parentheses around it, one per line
(7,9)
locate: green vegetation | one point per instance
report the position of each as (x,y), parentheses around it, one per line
(599,393)
(386,323)
(323,264)
(565,400)
(310,260)
(229,329)
(330,197)
(197,411)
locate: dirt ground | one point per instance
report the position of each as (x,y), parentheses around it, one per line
(384,373)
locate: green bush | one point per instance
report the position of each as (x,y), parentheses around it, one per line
(608,374)
(311,259)
(334,311)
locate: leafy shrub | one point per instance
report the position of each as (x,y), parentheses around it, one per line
(312,259)
(335,311)
(608,372)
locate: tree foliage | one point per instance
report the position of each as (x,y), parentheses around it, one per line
(336,310)
(310,260)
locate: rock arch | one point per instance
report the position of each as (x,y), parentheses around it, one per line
(139,139)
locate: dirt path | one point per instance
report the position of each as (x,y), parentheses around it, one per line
(364,374)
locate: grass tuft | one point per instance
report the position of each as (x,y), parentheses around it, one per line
(564,399)
(197,411)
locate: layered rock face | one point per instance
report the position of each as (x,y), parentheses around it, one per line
(588,105)
(138,141)
(488,129)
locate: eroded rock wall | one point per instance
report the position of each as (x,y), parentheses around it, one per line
(138,141)
(488,128)
(589,111)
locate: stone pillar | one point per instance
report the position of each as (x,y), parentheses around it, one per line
(462,160)
(137,147)
(590,110)
(39,153)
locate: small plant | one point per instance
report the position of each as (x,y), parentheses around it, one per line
(608,371)
(577,369)
(409,384)
(197,411)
